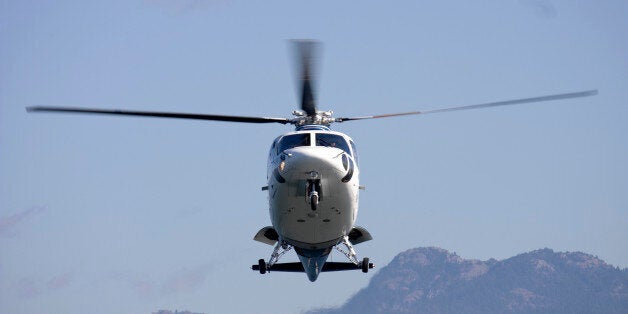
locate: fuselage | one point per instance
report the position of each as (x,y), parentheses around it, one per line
(307,161)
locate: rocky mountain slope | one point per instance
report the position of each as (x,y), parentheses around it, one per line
(433,280)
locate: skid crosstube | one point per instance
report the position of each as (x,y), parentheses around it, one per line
(298,267)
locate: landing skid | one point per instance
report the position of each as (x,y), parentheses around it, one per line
(282,247)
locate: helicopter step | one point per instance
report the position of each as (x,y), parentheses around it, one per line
(269,235)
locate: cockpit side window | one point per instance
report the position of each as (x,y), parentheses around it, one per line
(292,141)
(332,140)
(355,151)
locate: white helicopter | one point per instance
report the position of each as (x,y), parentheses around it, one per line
(313,177)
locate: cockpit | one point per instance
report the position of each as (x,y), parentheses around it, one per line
(315,139)
(292,141)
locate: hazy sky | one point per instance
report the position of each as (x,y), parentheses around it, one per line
(127,215)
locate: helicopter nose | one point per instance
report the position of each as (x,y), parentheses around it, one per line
(313,161)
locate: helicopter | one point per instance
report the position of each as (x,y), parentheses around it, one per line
(312,175)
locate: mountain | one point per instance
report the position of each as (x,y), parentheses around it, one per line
(175,312)
(433,280)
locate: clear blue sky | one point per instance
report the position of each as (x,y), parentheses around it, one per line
(126,215)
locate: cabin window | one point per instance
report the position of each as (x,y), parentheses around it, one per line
(292,141)
(332,140)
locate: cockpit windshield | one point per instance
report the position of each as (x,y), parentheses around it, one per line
(332,140)
(322,139)
(292,141)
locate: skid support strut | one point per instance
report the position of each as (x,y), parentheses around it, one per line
(280,249)
(350,252)
(365,264)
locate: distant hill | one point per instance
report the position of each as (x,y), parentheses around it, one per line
(175,312)
(433,280)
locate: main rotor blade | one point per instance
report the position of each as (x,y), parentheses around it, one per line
(192,116)
(305,53)
(478,106)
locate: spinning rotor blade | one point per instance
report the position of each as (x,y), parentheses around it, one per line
(305,53)
(192,116)
(478,106)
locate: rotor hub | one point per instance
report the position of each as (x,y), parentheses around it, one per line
(322,118)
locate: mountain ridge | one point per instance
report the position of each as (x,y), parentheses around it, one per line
(434,280)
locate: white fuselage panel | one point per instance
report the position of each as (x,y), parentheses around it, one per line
(292,174)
